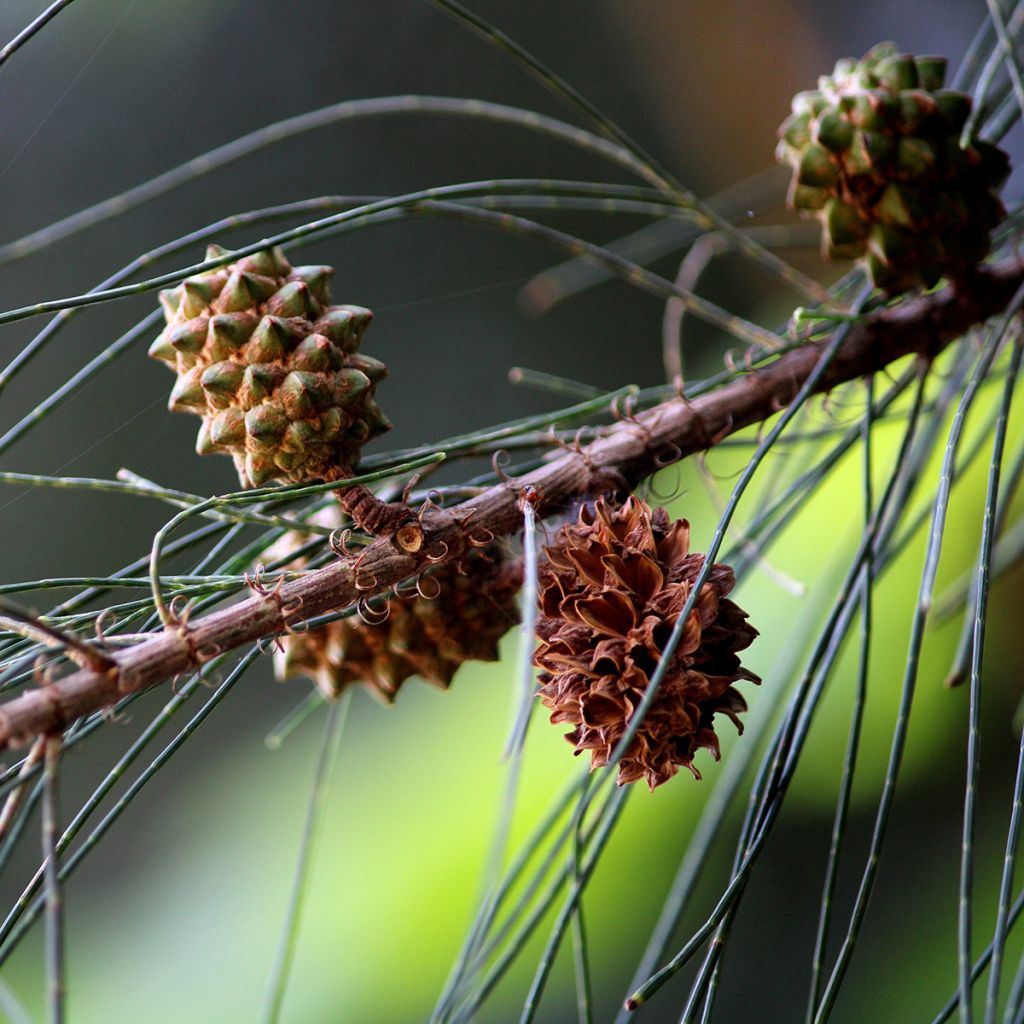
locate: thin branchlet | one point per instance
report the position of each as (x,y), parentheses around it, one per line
(630,451)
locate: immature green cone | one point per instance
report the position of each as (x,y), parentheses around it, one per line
(463,611)
(876,158)
(272,368)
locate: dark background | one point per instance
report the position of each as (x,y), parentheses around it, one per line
(175,917)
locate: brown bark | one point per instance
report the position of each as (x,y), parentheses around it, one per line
(397,522)
(631,451)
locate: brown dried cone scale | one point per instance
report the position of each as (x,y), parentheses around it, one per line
(471,605)
(877,158)
(611,591)
(274,371)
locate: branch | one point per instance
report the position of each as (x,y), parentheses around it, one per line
(631,451)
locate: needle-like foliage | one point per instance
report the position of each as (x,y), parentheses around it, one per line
(838,442)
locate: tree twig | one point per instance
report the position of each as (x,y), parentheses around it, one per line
(629,452)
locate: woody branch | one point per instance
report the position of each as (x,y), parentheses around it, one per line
(628,453)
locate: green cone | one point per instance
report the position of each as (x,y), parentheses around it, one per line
(877,159)
(272,368)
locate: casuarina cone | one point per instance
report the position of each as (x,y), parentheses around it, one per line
(611,592)
(458,614)
(879,157)
(272,368)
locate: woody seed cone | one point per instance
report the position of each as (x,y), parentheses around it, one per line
(611,592)
(878,159)
(470,605)
(271,368)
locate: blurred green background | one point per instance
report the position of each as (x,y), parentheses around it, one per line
(175,917)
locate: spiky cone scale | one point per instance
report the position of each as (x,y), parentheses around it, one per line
(877,160)
(461,615)
(611,591)
(272,369)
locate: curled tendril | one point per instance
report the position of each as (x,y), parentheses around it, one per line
(197,653)
(269,644)
(830,408)
(288,610)
(777,405)
(624,407)
(420,580)
(551,436)
(499,460)
(429,557)
(360,581)
(338,542)
(255,581)
(707,439)
(370,615)
(477,539)
(179,610)
(626,414)
(403,592)
(429,503)
(464,515)
(257,586)
(577,438)
(573,448)
(668,455)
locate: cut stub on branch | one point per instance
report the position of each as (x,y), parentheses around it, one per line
(877,158)
(381,518)
(612,589)
(456,614)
